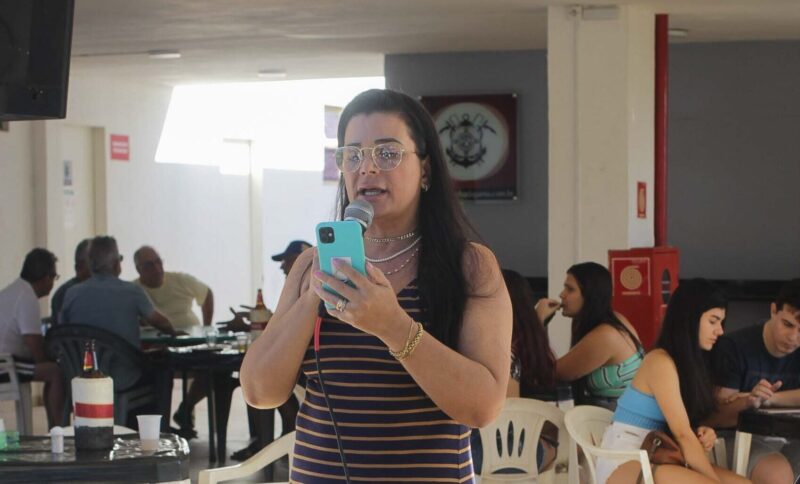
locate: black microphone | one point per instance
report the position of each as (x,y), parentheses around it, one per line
(361,212)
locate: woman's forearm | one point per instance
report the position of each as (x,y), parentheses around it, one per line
(695,455)
(270,367)
(464,389)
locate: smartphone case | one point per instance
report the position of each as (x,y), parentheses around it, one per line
(348,245)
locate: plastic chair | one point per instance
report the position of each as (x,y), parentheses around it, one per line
(586,425)
(510,442)
(719,454)
(263,458)
(741,452)
(19,392)
(117,358)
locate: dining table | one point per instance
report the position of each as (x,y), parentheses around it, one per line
(770,422)
(32,460)
(219,357)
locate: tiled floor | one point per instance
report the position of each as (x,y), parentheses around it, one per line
(238,433)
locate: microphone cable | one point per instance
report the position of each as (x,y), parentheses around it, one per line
(317,327)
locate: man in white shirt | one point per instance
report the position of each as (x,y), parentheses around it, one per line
(21,328)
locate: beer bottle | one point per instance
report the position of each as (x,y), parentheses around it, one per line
(259,316)
(91,368)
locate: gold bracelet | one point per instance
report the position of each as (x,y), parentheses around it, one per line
(411,344)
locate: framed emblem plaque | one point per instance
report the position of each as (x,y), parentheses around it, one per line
(479,140)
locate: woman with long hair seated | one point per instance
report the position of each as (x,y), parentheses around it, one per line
(673,391)
(414,353)
(605,351)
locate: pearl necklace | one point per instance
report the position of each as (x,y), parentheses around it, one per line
(386,240)
(396,254)
(405,262)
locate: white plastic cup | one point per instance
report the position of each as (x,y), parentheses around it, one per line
(57,440)
(149,431)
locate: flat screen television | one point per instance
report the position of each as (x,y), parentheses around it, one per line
(35,42)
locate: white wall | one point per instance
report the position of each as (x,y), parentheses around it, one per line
(197,218)
(16,199)
(294,202)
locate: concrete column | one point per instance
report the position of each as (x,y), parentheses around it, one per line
(601,106)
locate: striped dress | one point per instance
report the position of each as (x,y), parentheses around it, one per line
(391,431)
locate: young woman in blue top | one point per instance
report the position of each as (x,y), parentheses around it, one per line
(605,350)
(673,391)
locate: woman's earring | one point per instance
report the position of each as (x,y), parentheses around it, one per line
(424,187)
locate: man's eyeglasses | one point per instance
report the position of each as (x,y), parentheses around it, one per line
(386,156)
(55,276)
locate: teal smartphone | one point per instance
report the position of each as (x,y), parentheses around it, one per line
(343,241)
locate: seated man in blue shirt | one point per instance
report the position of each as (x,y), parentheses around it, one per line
(107,302)
(760,366)
(82,273)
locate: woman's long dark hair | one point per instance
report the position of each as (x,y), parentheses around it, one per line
(529,341)
(680,338)
(444,227)
(594,282)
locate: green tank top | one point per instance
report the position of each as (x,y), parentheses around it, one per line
(610,381)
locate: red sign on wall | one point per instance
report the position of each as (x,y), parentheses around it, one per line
(120,147)
(641,199)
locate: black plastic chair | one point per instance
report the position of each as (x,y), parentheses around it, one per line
(117,358)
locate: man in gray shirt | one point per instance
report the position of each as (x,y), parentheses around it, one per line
(106,302)
(109,303)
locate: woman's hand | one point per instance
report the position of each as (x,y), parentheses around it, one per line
(707,437)
(370,304)
(546,308)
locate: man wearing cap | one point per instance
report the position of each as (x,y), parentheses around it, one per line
(290,408)
(288,256)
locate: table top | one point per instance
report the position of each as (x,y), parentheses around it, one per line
(771,422)
(32,461)
(220,357)
(197,335)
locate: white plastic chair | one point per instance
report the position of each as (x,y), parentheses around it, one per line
(299,392)
(586,425)
(510,442)
(264,457)
(741,452)
(719,454)
(19,392)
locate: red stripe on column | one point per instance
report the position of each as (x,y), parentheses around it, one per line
(94,410)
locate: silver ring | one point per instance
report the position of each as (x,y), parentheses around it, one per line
(341,304)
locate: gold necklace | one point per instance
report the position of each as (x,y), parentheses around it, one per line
(396,254)
(386,240)
(405,262)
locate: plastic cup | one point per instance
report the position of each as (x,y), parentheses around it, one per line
(2,434)
(149,431)
(242,342)
(211,337)
(12,439)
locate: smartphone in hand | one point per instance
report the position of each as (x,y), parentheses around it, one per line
(340,240)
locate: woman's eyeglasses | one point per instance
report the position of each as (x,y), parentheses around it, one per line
(386,156)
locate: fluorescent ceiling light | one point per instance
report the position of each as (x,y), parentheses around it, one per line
(164,54)
(678,32)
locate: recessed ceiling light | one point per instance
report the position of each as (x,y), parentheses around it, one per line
(272,73)
(678,32)
(164,54)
